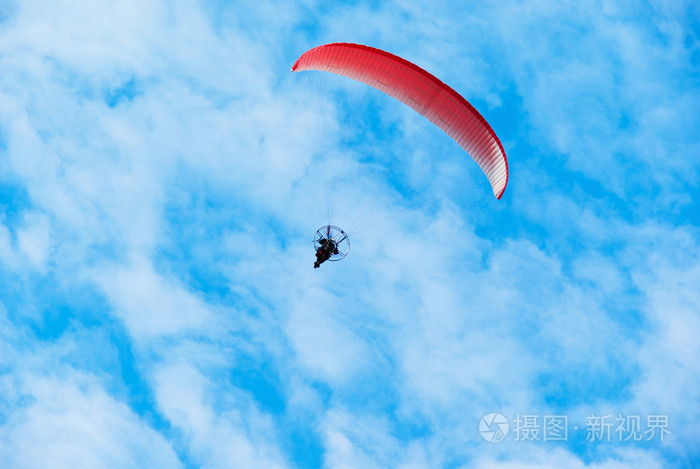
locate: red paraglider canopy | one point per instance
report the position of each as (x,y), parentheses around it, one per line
(423,92)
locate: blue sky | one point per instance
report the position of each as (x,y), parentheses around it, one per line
(162,173)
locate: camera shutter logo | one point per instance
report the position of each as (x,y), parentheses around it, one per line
(493,427)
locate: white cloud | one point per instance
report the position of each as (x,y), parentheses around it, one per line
(325,347)
(632,122)
(6,249)
(354,441)
(152,305)
(33,240)
(669,381)
(221,427)
(557,458)
(72,423)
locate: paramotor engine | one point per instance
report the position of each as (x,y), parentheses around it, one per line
(337,236)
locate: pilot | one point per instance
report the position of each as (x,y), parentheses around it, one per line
(327,248)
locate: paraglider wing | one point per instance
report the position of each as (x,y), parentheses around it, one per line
(420,90)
